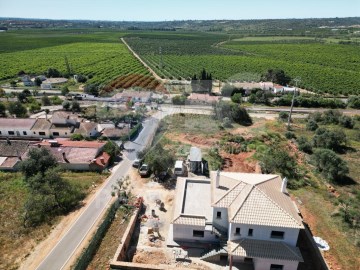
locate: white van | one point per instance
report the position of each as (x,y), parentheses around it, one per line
(180,168)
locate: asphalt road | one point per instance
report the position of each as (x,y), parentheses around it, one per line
(65,248)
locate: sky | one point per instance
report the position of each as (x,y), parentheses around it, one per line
(162,10)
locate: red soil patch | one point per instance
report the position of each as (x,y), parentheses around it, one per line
(238,162)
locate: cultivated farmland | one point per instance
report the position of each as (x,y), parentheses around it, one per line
(101,55)
(323,68)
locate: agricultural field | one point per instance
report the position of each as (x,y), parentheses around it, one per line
(323,67)
(133,80)
(99,54)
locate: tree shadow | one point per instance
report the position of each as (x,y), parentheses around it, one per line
(346,181)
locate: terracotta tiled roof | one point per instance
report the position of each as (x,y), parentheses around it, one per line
(78,144)
(255,199)
(275,250)
(190,220)
(13,148)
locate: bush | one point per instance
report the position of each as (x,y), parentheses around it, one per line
(179,100)
(334,140)
(283,116)
(330,165)
(236,98)
(354,102)
(290,135)
(66,105)
(76,137)
(92,89)
(346,121)
(331,117)
(311,125)
(45,101)
(226,123)
(233,111)
(304,145)
(17,108)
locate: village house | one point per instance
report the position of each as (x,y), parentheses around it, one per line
(50,83)
(248,219)
(76,155)
(11,153)
(27,80)
(202,99)
(134,96)
(18,127)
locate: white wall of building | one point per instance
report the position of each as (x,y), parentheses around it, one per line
(264,264)
(263,233)
(185,233)
(18,132)
(222,222)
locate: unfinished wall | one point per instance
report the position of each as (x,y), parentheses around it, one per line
(121,251)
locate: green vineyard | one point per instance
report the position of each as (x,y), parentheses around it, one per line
(323,68)
(102,56)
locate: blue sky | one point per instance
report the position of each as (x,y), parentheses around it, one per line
(160,10)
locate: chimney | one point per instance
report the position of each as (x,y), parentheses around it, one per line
(64,156)
(8,141)
(217,180)
(283,185)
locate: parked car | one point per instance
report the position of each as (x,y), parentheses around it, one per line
(144,170)
(136,163)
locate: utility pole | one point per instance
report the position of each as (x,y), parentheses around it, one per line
(296,80)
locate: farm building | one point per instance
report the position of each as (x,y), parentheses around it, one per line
(11,153)
(195,98)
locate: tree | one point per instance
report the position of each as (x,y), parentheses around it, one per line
(17,108)
(55,100)
(75,106)
(34,107)
(330,165)
(66,105)
(304,145)
(39,160)
(2,109)
(179,100)
(276,76)
(331,117)
(203,84)
(64,90)
(13,83)
(311,125)
(112,149)
(233,111)
(283,116)
(81,78)
(354,102)
(236,98)
(276,160)
(334,140)
(346,121)
(53,73)
(92,89)
(76,137)
(38,81)
(159,159)
(45,101)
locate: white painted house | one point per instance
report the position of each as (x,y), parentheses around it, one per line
(250,216)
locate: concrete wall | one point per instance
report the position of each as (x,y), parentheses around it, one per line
(120,254)
(185,233)
(221,223)
(264,233)
(62,133)
(75,167)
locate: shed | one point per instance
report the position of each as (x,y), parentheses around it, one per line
(195,158)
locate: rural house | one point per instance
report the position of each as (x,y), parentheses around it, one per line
(11,153)
(248,219)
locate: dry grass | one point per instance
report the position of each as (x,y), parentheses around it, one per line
(16,241)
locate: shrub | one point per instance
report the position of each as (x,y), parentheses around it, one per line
(331,117)
(330,165)
(283,116)
(328,139)
(311,125)
(290,135)
(304,145)
(179,100)
(354,102)
(346,121)
(236,98)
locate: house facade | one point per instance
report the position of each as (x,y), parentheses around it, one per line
(250,218)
